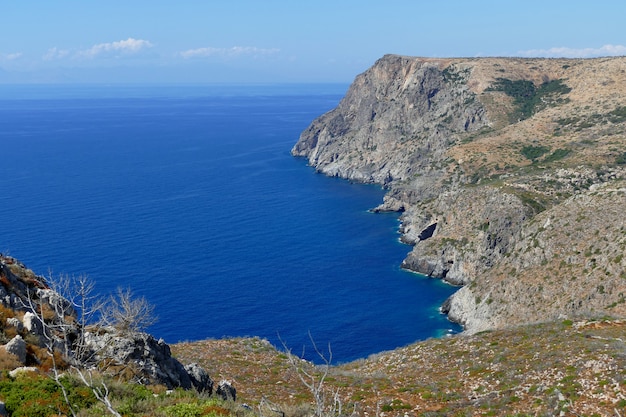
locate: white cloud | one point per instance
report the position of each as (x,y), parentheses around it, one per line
(563,52)
(232,52)
(55,53)
(126,47)
(10,57)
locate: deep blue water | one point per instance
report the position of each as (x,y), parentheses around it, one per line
(189,196)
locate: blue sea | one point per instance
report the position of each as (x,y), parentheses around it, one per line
(189,196)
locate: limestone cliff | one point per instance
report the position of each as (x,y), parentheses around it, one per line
(508,173)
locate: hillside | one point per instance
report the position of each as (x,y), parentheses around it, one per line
(559,368)
(508,173)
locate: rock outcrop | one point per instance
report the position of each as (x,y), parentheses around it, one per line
(17,347)
(144,359)
(500,167)
(49,323)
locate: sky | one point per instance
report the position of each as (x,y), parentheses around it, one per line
(284,41)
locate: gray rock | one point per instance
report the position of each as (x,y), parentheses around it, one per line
(32,323)
(15,322)
(397,118)
(22,370)
(226,391)
(139,355)
(17,347)
(3,410)
(199,378)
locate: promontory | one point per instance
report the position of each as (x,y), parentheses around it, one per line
(509,174)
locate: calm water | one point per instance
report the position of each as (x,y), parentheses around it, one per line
(189,196)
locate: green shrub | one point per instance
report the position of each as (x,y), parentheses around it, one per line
(528,98)
(534,152)
(210,408)
(184,410)
(618,115)
(557,155)
(33,395)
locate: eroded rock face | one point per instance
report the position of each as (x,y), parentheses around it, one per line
(476,227)
(567,262)
(455,146)
(397,119)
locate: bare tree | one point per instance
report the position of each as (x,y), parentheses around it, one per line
(100,390)
(55,315)
(50,332)
(80,292)
(127,313)
(327,403)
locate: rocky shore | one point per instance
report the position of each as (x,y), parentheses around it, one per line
(509,174)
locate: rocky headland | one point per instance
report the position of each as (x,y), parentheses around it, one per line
(509,174)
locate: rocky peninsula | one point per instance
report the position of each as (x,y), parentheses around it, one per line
(509,174)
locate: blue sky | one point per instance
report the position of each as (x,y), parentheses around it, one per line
(245,41)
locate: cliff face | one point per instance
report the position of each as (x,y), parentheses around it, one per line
(396,121)
(508,173)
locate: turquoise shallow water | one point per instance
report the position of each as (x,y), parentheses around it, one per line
(189,196)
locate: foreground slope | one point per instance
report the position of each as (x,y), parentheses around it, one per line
(559,368)
(509,174)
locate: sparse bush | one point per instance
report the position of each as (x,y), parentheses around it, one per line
(8,361)
(209,408)
(184,410)
(527,97)
(128,313)
(557,155)
(33,395)
(534,152)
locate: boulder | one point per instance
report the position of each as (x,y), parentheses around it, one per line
(17,347)
(32,323)
(22,370)
(199,378)
(226,391)
(15,322)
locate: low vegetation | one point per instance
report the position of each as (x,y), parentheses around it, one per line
(529,98)
(33,394)
(571,367)
(534,152)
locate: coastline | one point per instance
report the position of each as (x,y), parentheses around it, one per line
(494,189)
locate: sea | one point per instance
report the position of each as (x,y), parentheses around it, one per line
(188,196)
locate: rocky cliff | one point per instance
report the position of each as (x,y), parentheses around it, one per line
(508,173)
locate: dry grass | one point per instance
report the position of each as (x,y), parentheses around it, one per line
(544,369)
(593,138)
(8,361)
